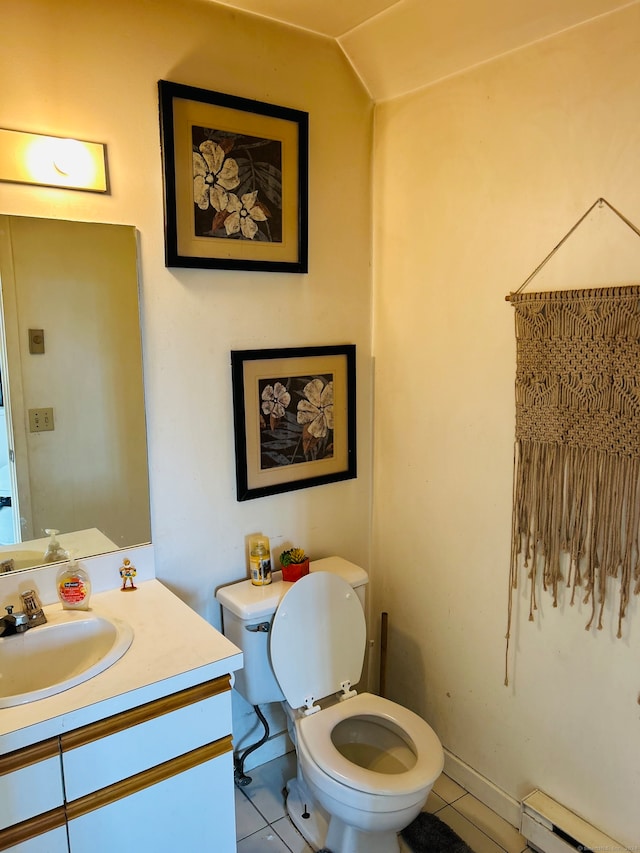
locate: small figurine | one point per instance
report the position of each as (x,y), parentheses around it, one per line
(127,573)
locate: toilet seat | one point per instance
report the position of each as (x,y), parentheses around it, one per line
(315,734)
(317,639)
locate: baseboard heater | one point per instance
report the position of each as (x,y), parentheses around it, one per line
(552,828)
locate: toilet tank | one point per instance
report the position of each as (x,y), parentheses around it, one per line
(247,612)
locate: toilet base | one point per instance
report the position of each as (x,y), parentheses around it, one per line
(319,830)
(342,838)
(309,818)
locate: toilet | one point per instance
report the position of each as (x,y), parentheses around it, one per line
(366,765)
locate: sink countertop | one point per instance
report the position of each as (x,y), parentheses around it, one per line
(173,648)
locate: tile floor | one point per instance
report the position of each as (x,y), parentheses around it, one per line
(262,825)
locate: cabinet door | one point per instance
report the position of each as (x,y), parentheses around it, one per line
(30,782)
(188,809)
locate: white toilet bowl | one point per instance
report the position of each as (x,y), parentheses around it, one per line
(370,764)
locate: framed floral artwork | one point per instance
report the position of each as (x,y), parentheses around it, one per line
(294,418)
(235,181)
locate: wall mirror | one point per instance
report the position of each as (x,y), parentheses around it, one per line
(73,448)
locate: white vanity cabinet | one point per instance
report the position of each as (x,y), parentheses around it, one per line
(138,758)
(158,777)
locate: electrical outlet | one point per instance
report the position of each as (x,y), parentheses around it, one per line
(40,420)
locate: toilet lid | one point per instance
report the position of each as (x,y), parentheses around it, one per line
(318,638)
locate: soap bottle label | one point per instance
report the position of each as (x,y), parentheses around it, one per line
(72,590)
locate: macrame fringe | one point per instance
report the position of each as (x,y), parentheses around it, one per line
(583,504)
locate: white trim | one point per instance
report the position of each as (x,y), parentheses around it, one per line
(552,827)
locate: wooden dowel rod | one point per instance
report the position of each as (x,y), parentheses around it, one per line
(384,623)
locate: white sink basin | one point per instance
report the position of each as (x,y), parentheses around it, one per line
(71,648)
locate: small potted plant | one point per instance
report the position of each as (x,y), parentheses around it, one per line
(295,564)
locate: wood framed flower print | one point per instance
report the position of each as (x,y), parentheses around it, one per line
(235,181)
(294,418)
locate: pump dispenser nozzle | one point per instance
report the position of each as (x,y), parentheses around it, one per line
(54,551)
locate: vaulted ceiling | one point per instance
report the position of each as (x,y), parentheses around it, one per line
(398,46)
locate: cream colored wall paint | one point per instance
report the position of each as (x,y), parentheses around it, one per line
(91,70)
(476,180)
(414,43)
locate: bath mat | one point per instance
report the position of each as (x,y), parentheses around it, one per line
(429,834)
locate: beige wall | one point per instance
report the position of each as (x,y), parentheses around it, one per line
(476,179)
(91,70)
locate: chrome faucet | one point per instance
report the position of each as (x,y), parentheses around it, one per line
(13,623)
(18,623)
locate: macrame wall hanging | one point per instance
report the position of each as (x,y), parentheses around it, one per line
(576,488)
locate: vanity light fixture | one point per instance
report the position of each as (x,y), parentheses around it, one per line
(53,161)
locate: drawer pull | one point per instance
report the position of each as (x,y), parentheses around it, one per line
(28,829)
(28,755)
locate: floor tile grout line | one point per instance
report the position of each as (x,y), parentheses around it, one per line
(271,828)
(480,829)
(455,799)
(264,818)
(475,825)
(490,837)
(268,824)
(296,829)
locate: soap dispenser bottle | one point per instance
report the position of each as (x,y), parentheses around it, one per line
(54,551)
(74,585)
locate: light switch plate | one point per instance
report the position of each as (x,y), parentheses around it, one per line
(36,341)
(40,420)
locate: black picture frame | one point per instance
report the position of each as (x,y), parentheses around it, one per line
(294,418)
(236,175)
